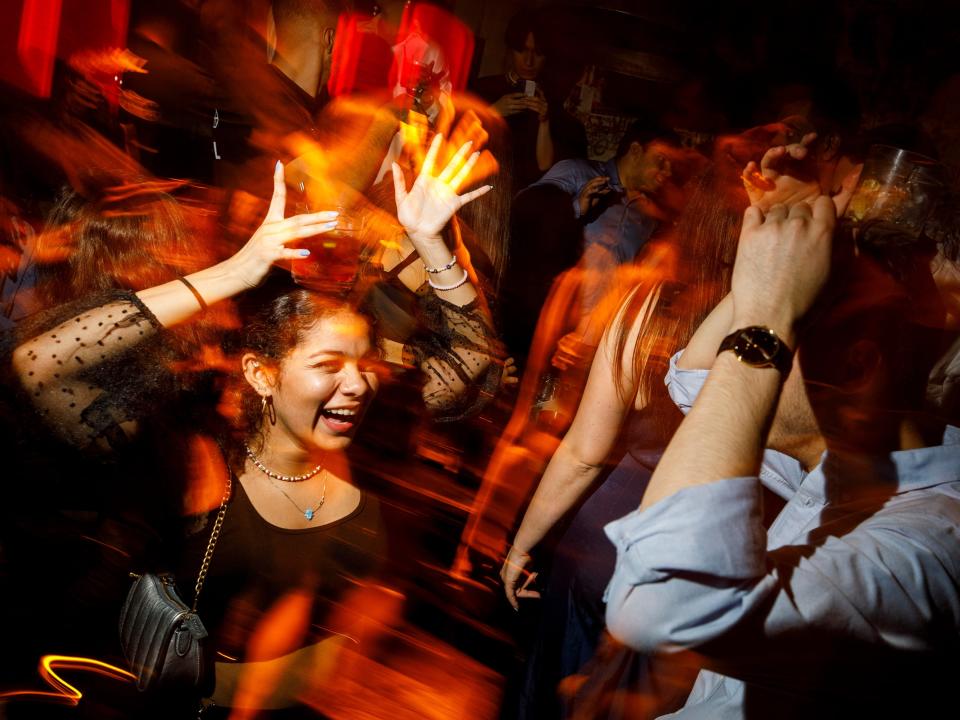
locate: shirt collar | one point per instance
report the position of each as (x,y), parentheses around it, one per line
(847,477)
(610,170)
(781,474)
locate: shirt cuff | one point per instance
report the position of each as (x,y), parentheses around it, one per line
(711,530)
(684,385)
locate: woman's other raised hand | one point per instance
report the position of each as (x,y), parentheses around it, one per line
(426,208)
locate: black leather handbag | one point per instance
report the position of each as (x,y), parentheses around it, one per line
(163,639)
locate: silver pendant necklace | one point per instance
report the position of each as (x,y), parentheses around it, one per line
(310,512)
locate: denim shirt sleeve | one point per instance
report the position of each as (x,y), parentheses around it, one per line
(569,176)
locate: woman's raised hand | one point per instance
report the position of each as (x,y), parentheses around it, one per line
(769,183)
(427,207)
(268,244)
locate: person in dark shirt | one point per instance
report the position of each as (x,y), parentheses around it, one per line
(541,131)
(263,106)
(300,541)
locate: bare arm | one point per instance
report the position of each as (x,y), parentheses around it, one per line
(173,302)
(424,210)
(782,263)
(767,184)
(701,351)
(545,149)
(583,451)
(546,152)
(57,367)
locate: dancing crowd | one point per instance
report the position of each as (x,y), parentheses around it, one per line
(695,395)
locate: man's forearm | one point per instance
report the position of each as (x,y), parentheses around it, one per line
(723,435)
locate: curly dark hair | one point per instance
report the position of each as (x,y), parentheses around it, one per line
(274,319)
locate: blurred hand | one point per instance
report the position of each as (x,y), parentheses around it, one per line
(509,376)
(783,261)
(514,567)
(572,352)
(427,207)
(268,244)
(770,184)
(511,104)
(774,181)
(592,192)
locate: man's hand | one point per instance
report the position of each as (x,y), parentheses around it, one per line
(783,261)
(591,193)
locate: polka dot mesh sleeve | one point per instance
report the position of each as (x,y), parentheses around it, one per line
(84,373)
(461,356)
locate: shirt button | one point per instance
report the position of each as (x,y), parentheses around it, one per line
(807,501)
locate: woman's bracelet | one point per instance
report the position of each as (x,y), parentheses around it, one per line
(196,294)
(434,271)
(454,286)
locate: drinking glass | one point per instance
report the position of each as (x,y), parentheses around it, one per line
(334,260)
(897,191)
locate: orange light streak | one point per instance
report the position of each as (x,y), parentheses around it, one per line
(67,693)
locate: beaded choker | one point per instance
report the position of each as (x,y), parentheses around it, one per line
(277,476)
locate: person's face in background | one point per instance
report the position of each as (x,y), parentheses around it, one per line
(528,61)
(646,168)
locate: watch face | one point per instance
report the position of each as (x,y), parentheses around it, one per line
(757,346)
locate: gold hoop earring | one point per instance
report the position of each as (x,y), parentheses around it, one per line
(266,408)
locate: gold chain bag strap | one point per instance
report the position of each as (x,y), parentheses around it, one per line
(163,640)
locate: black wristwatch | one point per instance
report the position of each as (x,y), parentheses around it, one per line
(760,347)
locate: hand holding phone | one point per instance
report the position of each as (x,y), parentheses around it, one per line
(590,193)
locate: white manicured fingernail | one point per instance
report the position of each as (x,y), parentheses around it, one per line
(278,166)
(303,253)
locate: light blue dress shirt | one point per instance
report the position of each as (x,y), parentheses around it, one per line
(851,597)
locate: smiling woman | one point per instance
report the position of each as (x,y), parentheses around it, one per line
(299,538)
(299,542)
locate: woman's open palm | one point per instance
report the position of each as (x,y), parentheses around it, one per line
(426,208)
